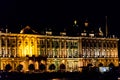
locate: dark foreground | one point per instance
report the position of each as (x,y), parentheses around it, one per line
(59,76)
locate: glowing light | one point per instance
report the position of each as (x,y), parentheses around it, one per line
(75,22)
(56,79)
(86,24)
(63,61)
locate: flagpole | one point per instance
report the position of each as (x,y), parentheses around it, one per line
(106,26)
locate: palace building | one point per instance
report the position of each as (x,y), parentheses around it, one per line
(62,51)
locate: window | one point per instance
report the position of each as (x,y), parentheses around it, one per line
(115,45)
(26,43)
(75,45)
(42,43)
(32,43)
(3,51)
(68,44)
(104,44)
(95,45)
(9,42)
(19,42)
(3,42)
(87,44)
(48,43)
(38,41)
(83,44)
(56,44)
(13,52)
(62,44)
(99,44)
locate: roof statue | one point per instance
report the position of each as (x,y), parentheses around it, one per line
(100,32)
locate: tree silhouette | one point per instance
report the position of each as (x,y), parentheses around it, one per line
(100,65)
(27,55)
(31,67)
(42,67)
(33,58)
(89,65)
(19,67)
(52,67)
(111,65)
(8,67)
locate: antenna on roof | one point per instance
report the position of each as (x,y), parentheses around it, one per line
(106,26)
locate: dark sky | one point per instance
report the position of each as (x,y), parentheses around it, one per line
(58,14)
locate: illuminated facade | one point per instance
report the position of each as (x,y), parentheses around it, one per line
(72,52)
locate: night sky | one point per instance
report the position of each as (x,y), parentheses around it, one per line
(58,15)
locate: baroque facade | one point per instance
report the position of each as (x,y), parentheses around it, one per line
(71,52)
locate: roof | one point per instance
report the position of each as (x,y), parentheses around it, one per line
(28,30)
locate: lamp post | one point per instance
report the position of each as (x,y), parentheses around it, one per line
(13,64)
(94,62)
(0,62)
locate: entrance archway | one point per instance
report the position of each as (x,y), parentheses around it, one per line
(62,67)
(52,67)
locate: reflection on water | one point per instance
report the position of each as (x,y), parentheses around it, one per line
(118,78)
(65,79)
(59,79)
(56,79)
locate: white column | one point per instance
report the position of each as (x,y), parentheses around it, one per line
(23,46)
(65,49)
(80,52)
(6,47)
(116,52)
(0,51)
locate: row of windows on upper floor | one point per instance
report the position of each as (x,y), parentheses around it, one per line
(56,44)
(109,45)
(41,43)
(32,39)
(75,44)
(70,42)
(57,55)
